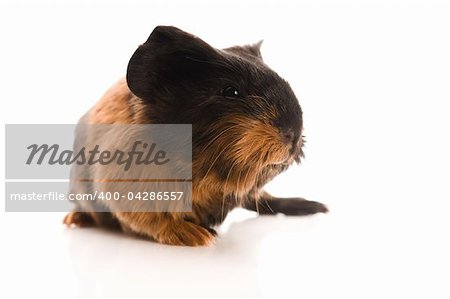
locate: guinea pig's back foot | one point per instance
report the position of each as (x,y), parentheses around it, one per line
(78,219)
(165,228)
(185,233)
(89,219)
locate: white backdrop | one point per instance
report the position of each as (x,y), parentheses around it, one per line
(373,80)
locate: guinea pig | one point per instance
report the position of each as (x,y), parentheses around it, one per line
(246,128)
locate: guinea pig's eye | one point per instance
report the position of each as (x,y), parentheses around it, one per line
(230,92)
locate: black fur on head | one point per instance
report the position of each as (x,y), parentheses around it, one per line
(230,96)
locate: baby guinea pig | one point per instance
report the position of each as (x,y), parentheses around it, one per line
(246,129)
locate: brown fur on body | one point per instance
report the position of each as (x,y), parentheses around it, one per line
(235,152)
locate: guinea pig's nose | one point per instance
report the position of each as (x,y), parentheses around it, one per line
(288,136)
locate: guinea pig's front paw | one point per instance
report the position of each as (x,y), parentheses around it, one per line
(184,233)
(268,205)
(297,206)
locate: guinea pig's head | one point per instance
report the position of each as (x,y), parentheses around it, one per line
(245,118)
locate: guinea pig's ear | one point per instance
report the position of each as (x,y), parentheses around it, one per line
(249,51)
(170,57)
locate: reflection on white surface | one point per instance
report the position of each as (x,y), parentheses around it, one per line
(321,256)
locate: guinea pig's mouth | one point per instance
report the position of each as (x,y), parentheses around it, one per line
(285,162)
(286,155)
(294,154)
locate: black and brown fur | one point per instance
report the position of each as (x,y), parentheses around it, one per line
(239,142)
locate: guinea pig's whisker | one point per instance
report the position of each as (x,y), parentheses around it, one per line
(264,202)
(218,135)
(256,198)
(246,177)
(226,181)
(246,162)
(229,172)
(217,157)
(212,164)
